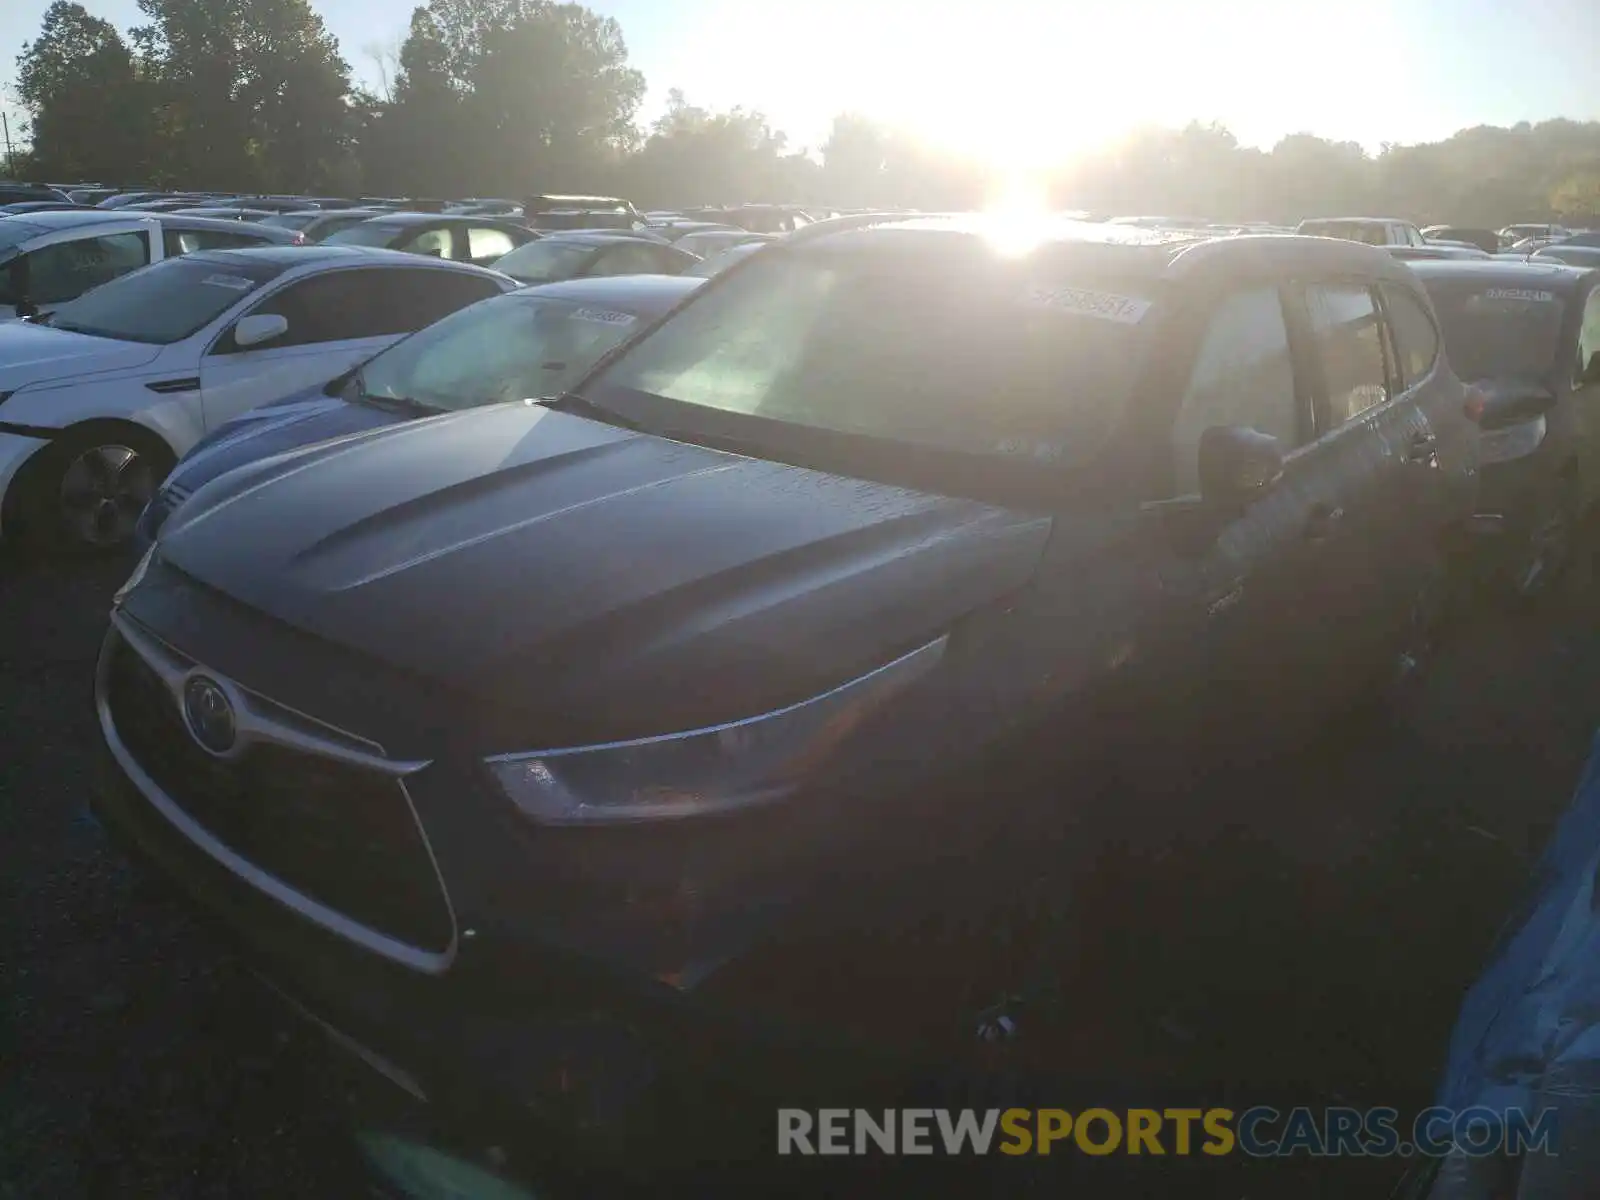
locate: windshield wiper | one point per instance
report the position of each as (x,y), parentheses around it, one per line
(402,404)
(582,406)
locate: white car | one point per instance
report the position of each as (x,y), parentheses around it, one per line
(101,397)
(48,258)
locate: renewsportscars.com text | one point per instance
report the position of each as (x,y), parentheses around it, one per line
(1260,1132)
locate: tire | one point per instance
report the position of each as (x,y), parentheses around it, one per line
(83,493)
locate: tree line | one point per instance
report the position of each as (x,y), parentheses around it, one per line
(509,97)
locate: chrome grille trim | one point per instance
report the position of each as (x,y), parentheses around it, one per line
(425,961)
(259,719)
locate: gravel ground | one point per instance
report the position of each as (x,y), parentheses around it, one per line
(1328,947)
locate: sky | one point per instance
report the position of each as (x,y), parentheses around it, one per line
(1063,75)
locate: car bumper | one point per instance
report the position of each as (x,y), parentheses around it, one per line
(1513,498)
(518,1025)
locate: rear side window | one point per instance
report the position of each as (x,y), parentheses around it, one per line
(1348,337)
(433,242)
(1416,339)
(67,270)
(1243,375)
(413,299)
(484,243)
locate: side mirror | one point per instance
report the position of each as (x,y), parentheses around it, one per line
(26,309)
(262,327)
(1238,465)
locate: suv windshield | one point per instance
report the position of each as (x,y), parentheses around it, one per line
(366,233)
(993,361)
(166,302)
(515,347)
(1499,332)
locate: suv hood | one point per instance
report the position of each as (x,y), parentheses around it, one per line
(32,353)
(632,584)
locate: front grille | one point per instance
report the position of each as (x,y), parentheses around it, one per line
(341,835)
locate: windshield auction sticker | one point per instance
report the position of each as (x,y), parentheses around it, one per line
(1104,306)
(604,316)
(234,283)
(1523,294)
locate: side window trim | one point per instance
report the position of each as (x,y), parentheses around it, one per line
(1403,384)
(1325,428)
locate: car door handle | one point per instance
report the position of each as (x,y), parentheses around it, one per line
(1321,522)
(1423,447)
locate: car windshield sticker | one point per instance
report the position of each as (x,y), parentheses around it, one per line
(603,315)
(234,283)
(1519,294)
(1104,306)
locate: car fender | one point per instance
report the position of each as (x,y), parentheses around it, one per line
(172,415)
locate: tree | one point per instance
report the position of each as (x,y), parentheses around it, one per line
(696,156)
(90,107)
(1578,197)
(253,94)
(509,96)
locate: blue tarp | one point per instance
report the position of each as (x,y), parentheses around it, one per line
(1528,1033)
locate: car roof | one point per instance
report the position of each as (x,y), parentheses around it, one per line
(186,221)
(1123,249)
(321,252)
(600,237)
(640,294)
(48,221)
(1544,272)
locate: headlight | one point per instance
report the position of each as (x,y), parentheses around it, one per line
(749,762)
(1514,441)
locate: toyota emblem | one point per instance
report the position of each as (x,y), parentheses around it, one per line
(209,714)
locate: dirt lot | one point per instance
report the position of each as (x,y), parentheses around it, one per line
(1330,951)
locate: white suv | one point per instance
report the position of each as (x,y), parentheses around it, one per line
(101,397)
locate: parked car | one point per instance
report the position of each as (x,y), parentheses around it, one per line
(481,240)
(1374,231)
(1512,234)
(226,212)
(551,212)
(97,404)
(271,204)
(715,264)
(1486,240)
(526,344)
(182,234)
(1566,252)
(616,742)
(707,242)
(12,192)
(316,224)
(28,206)
(48,258)
(1527,336)
(1437,251)
(592,252)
